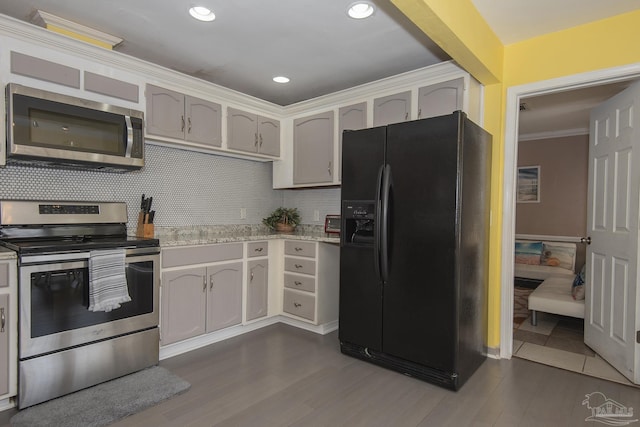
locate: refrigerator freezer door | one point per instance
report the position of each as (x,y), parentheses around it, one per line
(360,287)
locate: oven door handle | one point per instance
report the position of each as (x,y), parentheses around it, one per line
(76,256)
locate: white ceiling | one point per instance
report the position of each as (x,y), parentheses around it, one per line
(313,42)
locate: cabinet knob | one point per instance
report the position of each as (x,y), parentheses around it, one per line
(204,283)
(189,129)
(258,249)
(251,278)
(211,282)
(3,319)
(260,140)
(255,144)
(297,283)
(419,112)
(406,116)
(297,249)
(329,169)
(298,266)
(297,304)
(182,127)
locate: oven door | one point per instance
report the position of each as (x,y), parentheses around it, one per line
(54,300)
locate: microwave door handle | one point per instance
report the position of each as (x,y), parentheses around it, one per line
(127,120)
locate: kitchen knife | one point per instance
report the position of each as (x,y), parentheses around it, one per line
(149,204)
(152,214)
(142,203)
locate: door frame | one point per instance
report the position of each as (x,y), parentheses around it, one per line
(510,150)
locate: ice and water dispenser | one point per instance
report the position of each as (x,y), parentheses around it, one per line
(358,221)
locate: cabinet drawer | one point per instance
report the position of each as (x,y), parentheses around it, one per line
(304,283)
(189,255)
(298,248)
(299,304)
(306,266)
(257,249)
(4,274)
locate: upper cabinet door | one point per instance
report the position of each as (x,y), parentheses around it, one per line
(165,112)
(313,149)
(440,99)
(392,109)
(351,117)
(242,130)
(203,122)
(269,136)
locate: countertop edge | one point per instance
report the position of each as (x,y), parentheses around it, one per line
(172,242)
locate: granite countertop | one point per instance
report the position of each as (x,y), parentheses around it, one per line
(184,236)
(7,253)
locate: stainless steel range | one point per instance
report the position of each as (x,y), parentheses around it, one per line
(63,345)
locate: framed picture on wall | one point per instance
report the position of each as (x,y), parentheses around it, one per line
(528,189)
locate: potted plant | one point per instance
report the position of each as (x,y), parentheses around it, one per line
(283,219)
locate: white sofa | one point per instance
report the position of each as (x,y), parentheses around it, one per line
(553,295)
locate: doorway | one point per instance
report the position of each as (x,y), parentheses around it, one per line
(515,96)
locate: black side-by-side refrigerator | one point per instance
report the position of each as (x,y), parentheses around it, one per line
(414,247)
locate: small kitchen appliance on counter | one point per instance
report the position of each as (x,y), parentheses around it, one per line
(64,346)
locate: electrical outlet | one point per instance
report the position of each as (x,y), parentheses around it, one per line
(316,215)
(243,213)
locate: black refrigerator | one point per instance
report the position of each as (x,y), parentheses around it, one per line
(414,247)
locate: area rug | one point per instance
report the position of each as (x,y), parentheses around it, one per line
(520,305)
(105,403)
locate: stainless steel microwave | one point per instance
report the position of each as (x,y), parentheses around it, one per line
(53,130)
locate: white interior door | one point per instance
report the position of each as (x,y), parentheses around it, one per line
(612,310)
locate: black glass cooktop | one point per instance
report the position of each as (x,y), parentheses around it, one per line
(78,243)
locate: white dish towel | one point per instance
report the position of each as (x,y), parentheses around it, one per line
(107,280)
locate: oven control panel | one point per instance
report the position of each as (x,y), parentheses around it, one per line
(69,209)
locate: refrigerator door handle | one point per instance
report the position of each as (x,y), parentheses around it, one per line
(384,226)
(377,223)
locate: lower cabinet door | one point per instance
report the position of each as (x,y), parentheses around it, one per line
(183,304)
(257,288)
(4,344)
(224,297)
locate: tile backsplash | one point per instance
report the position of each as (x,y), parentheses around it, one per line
(188,189)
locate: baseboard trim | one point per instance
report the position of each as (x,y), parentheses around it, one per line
(234,331)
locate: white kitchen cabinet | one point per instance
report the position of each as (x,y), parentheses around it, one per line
(351,117)
(174,115)
(311,280)
(8,329)
(313,146)
(201,290)
(441,98)
(394,108)
(252,133)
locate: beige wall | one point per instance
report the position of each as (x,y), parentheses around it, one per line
(562,210)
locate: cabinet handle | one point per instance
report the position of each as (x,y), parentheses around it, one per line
(298,266)
(406,116)
(297,304)
(182,128)
(189,129)
(2,319)
(329,169)
(297,249)
(260,140)
(251,278)
(211,282)
(204,283)
(297,283)
(255,144)
(419,112)
(258,249)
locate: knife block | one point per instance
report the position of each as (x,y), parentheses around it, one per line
(143,229)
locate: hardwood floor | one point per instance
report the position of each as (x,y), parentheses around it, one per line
(283,376)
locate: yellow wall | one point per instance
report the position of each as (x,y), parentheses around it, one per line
(457,27)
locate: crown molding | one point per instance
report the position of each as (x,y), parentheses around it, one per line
(553,134)
(45,20)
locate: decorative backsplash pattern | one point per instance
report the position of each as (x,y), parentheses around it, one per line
(188,189)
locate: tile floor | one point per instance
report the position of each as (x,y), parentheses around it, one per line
(558,341)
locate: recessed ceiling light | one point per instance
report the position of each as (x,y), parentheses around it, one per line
(360,10)
(281,79)
(202,13)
